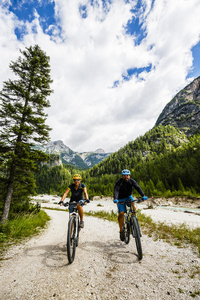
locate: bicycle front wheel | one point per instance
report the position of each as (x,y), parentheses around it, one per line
(78,231)
(136,234)
(71,239)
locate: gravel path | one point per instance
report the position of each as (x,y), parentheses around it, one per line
(104,267)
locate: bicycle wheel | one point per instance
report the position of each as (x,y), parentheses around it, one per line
(136,234)
(126,229)
(77,238)
(71,239)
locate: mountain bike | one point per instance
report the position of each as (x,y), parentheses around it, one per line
(73,229)
(131,225)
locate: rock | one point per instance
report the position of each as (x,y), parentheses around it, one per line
(183,110)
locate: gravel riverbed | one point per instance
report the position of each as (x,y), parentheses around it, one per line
(104,267)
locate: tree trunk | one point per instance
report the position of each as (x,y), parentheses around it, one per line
(7,202)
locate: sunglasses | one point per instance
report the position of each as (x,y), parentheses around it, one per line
(76,179)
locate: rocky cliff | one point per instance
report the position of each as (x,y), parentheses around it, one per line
(82,160)
(183,111)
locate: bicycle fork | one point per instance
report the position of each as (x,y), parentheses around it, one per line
(127,220)
(137,224)
(75,232)
(77,229)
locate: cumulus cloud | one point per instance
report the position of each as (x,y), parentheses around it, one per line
(96,103)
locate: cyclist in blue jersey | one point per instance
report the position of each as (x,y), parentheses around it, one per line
(77,189)
(122,191)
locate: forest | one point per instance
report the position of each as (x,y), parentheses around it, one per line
(164,162)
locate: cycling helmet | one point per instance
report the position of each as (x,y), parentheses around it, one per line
(77,176)
(126,172)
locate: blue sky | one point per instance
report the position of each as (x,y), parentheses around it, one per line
(25,11)
(195,69)
(114,64)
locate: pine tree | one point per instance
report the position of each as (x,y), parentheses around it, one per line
(22,120)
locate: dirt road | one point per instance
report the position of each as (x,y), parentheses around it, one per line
(104,267)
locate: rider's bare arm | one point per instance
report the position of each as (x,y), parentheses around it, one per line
(65,195)
(85,192)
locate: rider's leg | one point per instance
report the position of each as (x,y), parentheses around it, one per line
(121,220)
(132,203)
(133,206)
(80,211)
(121,209)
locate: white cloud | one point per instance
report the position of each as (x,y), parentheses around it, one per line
(90,54)
(8,43)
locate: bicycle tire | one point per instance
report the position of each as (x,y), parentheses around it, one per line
(126,229)
(71,239)
(77,238)
(136,234)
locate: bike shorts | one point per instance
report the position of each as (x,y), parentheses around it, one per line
(71,206)
(122,207)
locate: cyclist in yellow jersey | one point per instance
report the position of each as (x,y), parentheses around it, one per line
(77,189)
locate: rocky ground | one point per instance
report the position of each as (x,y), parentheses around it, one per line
(104,267)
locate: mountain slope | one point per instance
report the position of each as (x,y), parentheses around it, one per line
(157,141)
(183,111)
(178,120)
(82,160)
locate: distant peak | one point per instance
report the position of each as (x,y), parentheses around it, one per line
(57,146)
(59,142)
(100,150)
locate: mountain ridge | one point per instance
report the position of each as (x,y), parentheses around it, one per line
(179,120)
(183,111)
(83,160)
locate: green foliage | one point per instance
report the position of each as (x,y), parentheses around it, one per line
(110,216)
(22,123)
(177,171)
(20,226)
(158,141)
(164,162)
(54,180)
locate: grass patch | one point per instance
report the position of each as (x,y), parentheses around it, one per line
(21,227)
(195,293)
(110,216)
(194,272)
(176,234)
(52,208)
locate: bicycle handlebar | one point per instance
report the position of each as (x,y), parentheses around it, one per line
(144,198)
(74,203)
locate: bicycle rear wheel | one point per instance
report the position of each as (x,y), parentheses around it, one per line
(136,234)
(71,239)
(126,229)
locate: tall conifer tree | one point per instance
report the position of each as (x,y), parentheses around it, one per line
(22,121)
